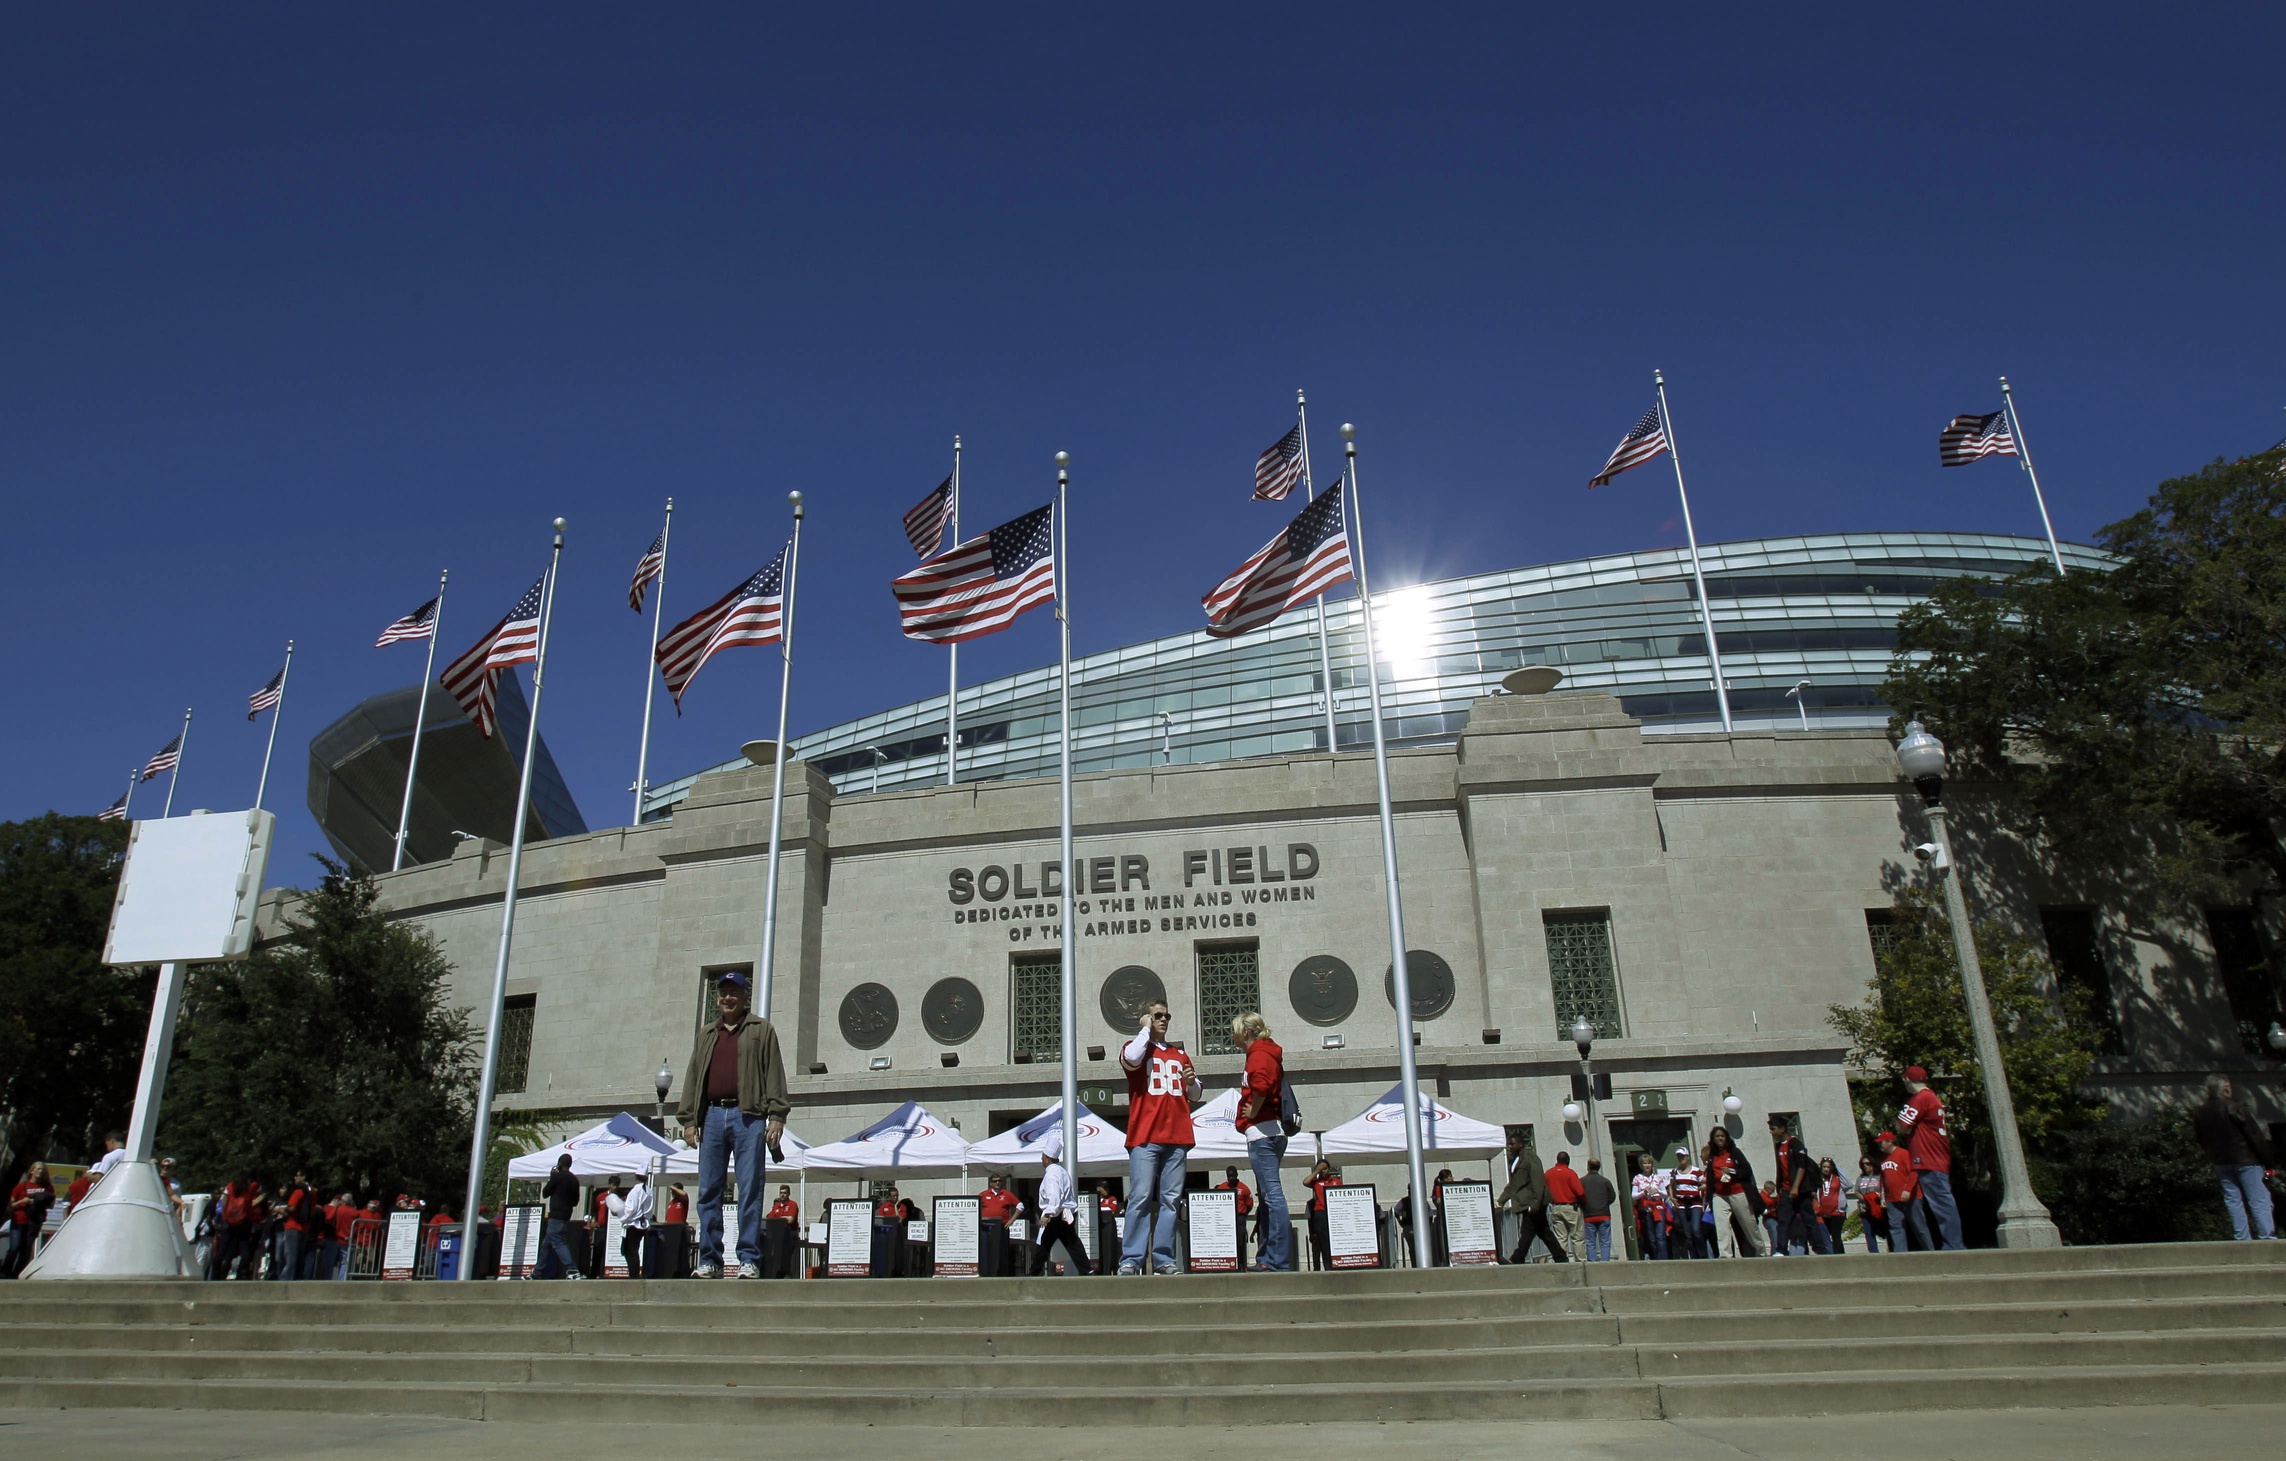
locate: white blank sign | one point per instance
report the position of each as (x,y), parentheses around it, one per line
(188,891)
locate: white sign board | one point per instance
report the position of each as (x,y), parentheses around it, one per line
(957,1233)
(1019,1232)
(403,1245)
(1353,1229)
(188,889)
(519,1241)
(1470,1237)
(917,1231)
(614,1260)
(1214,1231)
(849,1238)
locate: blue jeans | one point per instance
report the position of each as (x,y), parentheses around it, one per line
(2244,1191)
(1278,1227)
(1599,1242)
(1155,1173)
(1944,1213)
(1904,1213)
(289,1260)
(555,1251)
(730,1135)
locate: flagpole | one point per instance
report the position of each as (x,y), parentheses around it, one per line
(175,772)
(277,712)
(127,807)
(420,719)
(952,682)
(1400,977)
(768,965)
(1698,576)
(2024,455)
(1068,931)
(650,668)
(1325,653)
(483,1122)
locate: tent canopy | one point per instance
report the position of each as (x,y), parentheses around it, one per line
(1377,1134)
(908,1140)
(1214,1130)
(620,1147)
(1103,1146)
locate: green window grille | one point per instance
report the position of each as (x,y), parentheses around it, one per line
(1883,931)
(1230,984)
(1580,968)
(516,1042)
(1038,1006)
(2076,949)
(2242,957)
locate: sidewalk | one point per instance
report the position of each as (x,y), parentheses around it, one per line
(2145,1432)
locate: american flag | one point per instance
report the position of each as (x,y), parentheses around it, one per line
(116,812)
(1310,556)
(979,587)
(925,523)
(1645,441)
(169,756)
(752,613)
(266,697)
(1966,438)
(419,624)
(1278,469)
(515,640)
(653,564)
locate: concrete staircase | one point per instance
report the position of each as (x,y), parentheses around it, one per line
(2182,1324)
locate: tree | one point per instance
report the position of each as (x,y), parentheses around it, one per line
(2136,718)
(331,1053)
(71,1029)
(1915,1014)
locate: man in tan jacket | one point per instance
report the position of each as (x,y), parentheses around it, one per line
(733,1107)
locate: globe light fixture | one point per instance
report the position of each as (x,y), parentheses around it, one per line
(1572,1110)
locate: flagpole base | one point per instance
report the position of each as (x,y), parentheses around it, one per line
(125,1228)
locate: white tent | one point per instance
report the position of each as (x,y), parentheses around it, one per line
(908,1140)
(1377,1134)
(1103,1147)
(1216,1138)
(620,1147)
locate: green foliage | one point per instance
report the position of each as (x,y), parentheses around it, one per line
(2137,709)
(1915,1014)
(71,1030)
(2130,1181)
(330,1053)
(513,1134)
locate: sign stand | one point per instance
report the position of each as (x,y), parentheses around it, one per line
(849,1238)
(1471,1238)
(1353,1226)
(1214,1231)
(519,1241)
(957,1232)
(403,1246)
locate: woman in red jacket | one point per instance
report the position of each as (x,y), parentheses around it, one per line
(1832,1200)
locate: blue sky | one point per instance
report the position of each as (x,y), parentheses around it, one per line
(304,303)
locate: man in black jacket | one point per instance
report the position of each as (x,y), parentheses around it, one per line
(561,1193)
(1527,1195)
(2239,1150)
(1798,1223)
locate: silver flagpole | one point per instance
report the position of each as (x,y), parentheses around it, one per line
(651,669)
(1325,653)
(1400,977)
(175,772)
(420,721)
(277,712)
(1069,931)
(2024,455)
(127,807)
(1706,610)
(483,1134)
(769,962)
(952,681)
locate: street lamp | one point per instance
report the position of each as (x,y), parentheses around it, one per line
(1166,739)
(1801,701)
(2277,1037)
(875,784)
(2024,1222)
(1583,1040)
(663,1081)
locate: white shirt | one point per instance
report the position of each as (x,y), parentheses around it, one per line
(635,1209)
(108,1160)
(1652,1184)
(1058,1198)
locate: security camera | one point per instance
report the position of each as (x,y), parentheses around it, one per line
(1926,851)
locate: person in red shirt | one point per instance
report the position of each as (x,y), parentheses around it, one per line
(300,1223)
(1832,1202)
(1730,1181)
(1799,1230)
(781,1235)
(1922,1119)
(341,1221)
(28,1205)
(1322,1176)
(889,1236)
(1870,1211)
(1106,1230)
(1244,1203)
(1901,1194)
(1161,1085)
(995,1207)
(81,1185)
(1564,1193)
(1261,1120)
(241,1203)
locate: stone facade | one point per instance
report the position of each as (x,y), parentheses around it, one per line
(1733,873)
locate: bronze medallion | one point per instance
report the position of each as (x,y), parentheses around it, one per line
(868,1016)
(1432,980)
(1323,990)
(952,1011)
(1124,995)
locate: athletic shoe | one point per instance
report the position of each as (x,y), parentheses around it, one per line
(1166,1269)
(1130,1270)
(709,1270)
(749,1270)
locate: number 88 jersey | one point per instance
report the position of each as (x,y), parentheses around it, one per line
(1157,1108)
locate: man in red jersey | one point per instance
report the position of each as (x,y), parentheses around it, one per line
(1901,1193)
(781,1235)
(1161,1085)
(996,1206)
(1922,1119)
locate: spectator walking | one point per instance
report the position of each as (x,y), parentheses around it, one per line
(1832,1203)
(1527,1195)
(1871,1212)
(28,1204)
(1730,1178)
(1647,1194)
(1564,1193)
(1687,1191)
(1322,1176)
(1901,1194)
(560,1194)
(1597,1198)
(2227,1133)
(1241,1201)
(1059,1210)
(734,1104)
(1922,1118)
(1161,1085)
(299,1212)
(1798,1231)
(240,1224)
(638,1240)
(996,1207)
(1262,1110)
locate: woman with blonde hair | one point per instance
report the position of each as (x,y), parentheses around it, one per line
(1261,1112)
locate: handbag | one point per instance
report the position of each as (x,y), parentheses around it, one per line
(1289,1109)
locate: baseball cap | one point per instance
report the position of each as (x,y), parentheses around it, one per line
(1917,1073)
(1682,1151)
(1888,1136)
(735,976)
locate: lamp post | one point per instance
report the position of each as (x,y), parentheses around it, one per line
(662,1081)
(1166,739)
(2024,1222)
(1801,701)
(2277,1038)
(1583,1040)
